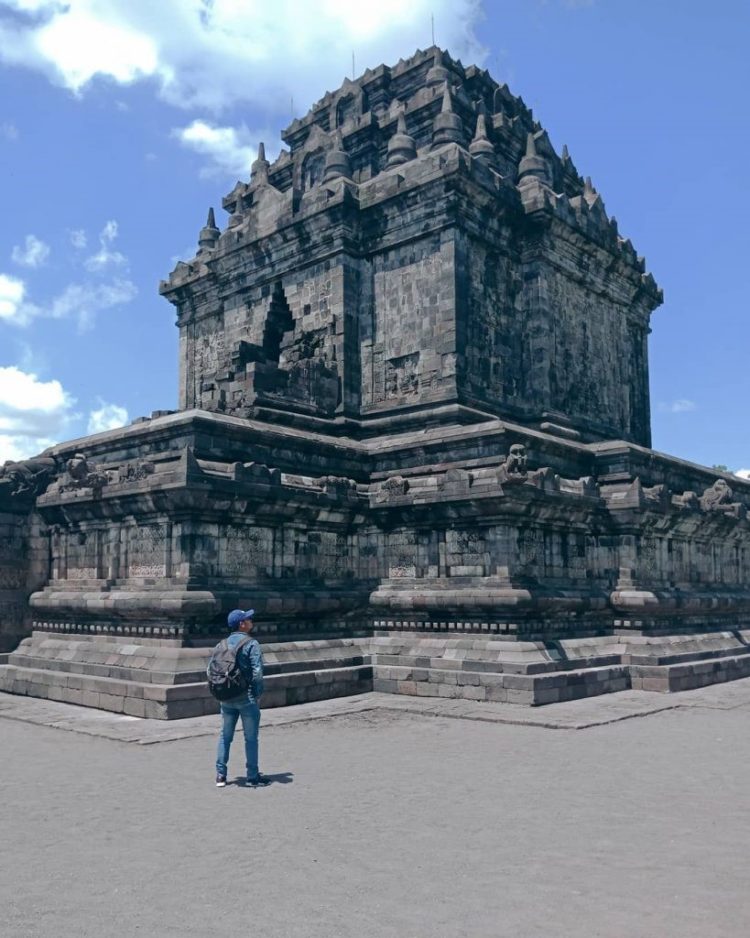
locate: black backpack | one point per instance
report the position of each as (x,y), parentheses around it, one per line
(225,678)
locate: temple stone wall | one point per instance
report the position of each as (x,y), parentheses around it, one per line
(412,355)
(497,349)
(24,567)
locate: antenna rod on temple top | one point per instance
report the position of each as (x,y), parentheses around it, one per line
(432,25)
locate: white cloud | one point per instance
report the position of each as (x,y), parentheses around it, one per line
(9,132)
(78,239)
(680,406)
(215,53)
(743,473)
(80,301)
(107,417)
(230,150)
(34,414)
(105,257)
(84,300)
(34,252)
(12,292)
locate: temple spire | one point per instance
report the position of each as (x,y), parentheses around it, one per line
(209,234)
(533,167)
(448,126)
(480,146)
(337,161)
(259,169)
(401,146)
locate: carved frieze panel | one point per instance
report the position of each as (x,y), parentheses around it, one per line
(403,552)
(531,550)
(246,552)
(147,551)
(649,558)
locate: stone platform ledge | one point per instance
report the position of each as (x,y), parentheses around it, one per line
(573,715)
(176,701)
(135,681)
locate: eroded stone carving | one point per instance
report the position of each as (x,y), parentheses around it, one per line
(338,485)
(394,487)
(81,475)
(718,497)
(513,468)
(688,499)
(137,471)
(659,494)
(29,477)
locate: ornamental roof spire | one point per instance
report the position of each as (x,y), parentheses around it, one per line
(533,166)
(337,161)
(209,234)
(259,169)
(480,146)
(401,146)
(448,126)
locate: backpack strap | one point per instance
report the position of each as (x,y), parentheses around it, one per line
(238,646)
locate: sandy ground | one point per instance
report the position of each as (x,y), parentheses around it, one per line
(384,824)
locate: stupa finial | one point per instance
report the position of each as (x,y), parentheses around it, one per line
(337,160)
(209,234)
(259,169)
(533,167)
(480,146)
(401,146)
(448,126)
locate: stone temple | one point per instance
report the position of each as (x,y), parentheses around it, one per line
(413,432)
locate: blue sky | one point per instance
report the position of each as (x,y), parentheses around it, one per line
(121,121)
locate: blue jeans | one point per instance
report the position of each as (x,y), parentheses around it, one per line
(249,711)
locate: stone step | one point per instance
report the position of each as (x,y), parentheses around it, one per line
(176,701)
(529,689)
(146,675)
(495,666)
(684,657)
(689,675)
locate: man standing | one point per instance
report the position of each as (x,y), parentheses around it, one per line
(244,707)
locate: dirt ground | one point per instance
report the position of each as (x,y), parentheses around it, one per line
(384,824)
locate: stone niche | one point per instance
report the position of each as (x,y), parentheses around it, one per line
(412,432)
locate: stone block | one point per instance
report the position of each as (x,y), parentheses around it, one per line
(406,687)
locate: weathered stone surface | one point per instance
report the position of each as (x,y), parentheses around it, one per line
(413,405)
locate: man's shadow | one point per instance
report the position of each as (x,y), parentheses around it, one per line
(280,778)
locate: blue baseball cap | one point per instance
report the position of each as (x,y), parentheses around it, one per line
(238,615)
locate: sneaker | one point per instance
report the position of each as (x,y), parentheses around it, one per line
(221,781)
(259,781)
